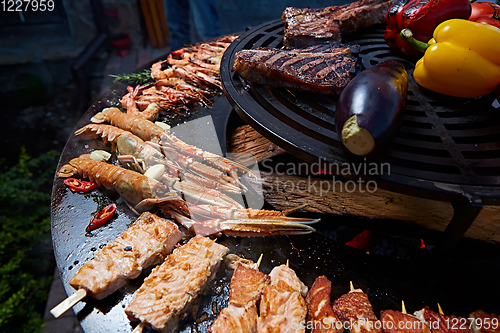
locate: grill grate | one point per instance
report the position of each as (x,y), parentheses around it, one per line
(446,147)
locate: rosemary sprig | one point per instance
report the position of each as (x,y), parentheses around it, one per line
(138,78)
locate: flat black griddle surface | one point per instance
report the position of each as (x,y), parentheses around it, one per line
(395,270)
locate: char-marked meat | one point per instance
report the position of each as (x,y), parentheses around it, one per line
(325,68)
(305,27)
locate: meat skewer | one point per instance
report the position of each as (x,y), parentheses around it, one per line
(145,243)
(439,323)
(355,310)
(320,313)
(483,322)
(282,305)
(402,322)
(168,293)
(247,285)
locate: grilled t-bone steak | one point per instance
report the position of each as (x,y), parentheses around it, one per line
(325,68)
(305,27)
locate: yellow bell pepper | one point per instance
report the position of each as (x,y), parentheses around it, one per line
(462,60)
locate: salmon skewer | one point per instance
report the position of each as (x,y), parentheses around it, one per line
(247,285)
(170,291)
(282,305)
(147,242)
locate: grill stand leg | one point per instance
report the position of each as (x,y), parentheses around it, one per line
(464,213)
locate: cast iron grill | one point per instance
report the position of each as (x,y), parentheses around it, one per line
(446,147)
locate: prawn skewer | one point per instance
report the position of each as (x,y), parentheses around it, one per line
(145,243)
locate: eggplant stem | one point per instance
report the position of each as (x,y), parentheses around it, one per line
(407,35)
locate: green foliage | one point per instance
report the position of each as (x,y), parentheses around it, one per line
(24,227)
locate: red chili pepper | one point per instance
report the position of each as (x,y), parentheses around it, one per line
(421,17)
(101,217)
(80,185)
(361,240)
(486,12)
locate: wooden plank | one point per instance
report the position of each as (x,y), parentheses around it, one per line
(160,39)
(335,197)
(163,21)
(245,139)
(149,23)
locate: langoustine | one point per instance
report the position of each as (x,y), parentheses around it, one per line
(132,149)
(149,131)
(137,189)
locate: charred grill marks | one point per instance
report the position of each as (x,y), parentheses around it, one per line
(325,68)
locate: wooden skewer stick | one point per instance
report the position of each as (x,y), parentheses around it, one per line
(68,303)
(139,327)
(287,263)
(257,264)
(351,287)
(440,310)
(403,307)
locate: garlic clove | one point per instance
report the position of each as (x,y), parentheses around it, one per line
(165,127)
(100,155)
(155,171)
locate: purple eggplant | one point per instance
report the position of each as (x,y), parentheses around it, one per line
(371,106)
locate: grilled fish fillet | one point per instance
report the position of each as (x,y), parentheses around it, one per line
(282,306)
(325,68)
(167,294)
(241,315)
(147,242)
(320,312)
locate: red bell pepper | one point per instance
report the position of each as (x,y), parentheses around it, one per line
(486,12)
(103,216)
(80,185)
(421,17)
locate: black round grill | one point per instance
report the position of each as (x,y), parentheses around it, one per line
(446,146)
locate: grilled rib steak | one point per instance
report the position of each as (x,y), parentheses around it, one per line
(325,68)
(305,27)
